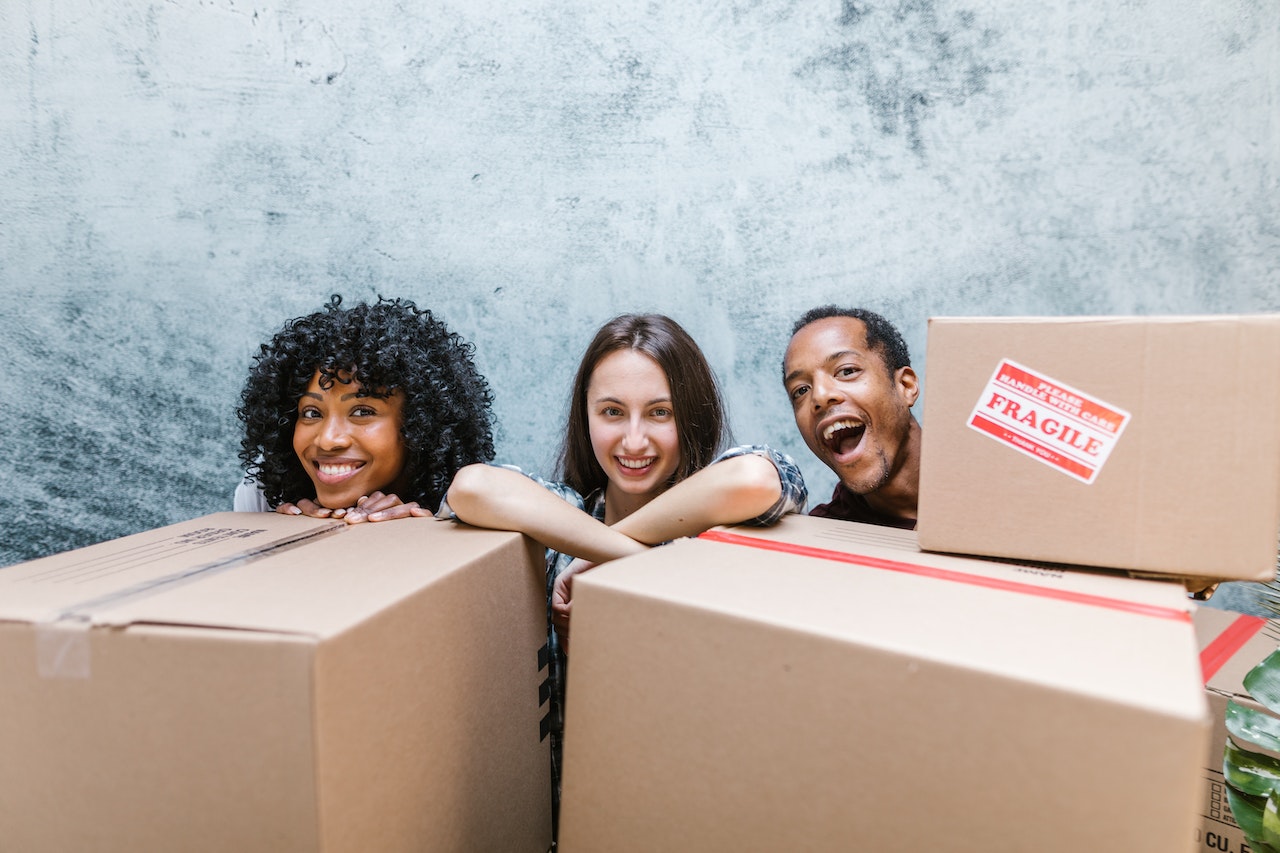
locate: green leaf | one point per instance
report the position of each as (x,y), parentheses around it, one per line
(1263,681)
(1247,811)
(1271,821)
(1250,772)
(1254,726)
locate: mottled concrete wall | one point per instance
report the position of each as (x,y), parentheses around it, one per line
(178,177)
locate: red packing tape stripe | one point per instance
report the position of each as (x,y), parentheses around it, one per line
(1226,644)
(949,575)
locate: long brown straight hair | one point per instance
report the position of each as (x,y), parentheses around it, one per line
(695,397)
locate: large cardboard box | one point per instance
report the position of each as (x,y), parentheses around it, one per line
(256,682)
(1142,443)
(1231,644)
(826,686)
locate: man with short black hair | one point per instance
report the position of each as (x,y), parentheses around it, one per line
(849,377)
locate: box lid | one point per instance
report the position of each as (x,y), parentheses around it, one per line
(243,571)
(1099,633)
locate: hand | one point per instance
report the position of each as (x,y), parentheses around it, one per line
(381,507)
(374,507)
(309,508)
(561,598)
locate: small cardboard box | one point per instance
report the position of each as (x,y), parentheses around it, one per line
(826,686)
(1145,443)
(1231,644)
(256,682)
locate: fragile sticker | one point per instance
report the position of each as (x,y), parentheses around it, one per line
(1048,420)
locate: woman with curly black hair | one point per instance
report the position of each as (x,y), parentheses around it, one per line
(364,412)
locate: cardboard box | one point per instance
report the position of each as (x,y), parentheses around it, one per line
(1143,443)
(1231,644)
(849,692)
(257,682)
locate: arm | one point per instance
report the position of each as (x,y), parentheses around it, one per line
(499,498)
(726,492)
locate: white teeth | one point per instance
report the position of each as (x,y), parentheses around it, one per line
(336,470)
(635,463)
(838,425)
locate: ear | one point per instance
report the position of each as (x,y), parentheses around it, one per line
(908,384)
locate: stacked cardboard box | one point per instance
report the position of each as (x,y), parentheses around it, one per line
(842,689)
(249,682)
(1146,444)
(827,686)
(1231,644)
(1150,444)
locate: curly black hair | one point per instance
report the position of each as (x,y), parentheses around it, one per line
(387,346)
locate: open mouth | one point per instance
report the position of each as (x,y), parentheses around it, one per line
(843,436)
(635,467)
(336,472)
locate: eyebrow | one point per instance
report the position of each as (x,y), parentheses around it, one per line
(616,400)
(835,356)
(313,395)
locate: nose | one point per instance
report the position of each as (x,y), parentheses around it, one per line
(333,434)
(825,392)
(635,440)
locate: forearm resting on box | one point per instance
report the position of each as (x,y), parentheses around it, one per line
(731,491)
(485,496)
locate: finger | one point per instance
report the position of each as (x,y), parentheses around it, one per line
(313,509)
(397,511)
(378,501)
(288,509)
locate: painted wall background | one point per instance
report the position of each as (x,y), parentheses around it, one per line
(179,177)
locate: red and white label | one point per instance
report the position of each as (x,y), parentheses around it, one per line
(1061,426)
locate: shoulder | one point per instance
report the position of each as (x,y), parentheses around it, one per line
(249,498)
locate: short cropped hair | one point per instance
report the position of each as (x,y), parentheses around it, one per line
(391,345)
(882,335)
(695,397)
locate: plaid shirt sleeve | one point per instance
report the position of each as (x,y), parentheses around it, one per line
(794,493)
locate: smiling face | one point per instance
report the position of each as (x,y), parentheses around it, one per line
(633,429)
(350,446)
(853,413)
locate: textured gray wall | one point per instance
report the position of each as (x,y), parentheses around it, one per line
(178,177)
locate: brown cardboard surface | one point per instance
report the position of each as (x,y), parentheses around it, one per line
(1192,484)
(1231,644)
(728,697)
(373,687)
